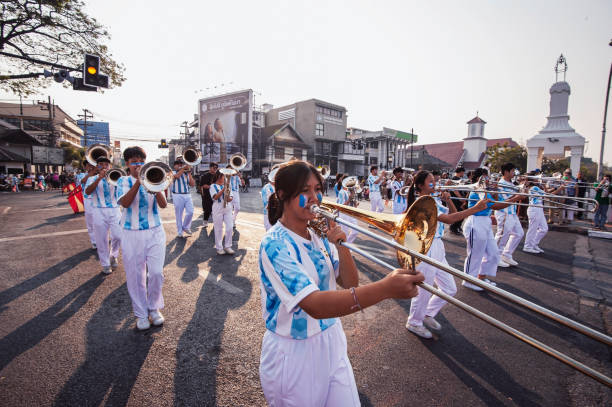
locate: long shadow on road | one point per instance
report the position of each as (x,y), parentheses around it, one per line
(115,355)
(199,347)
(32,332)
(38,280)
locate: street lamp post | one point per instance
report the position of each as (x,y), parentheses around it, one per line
(603,130)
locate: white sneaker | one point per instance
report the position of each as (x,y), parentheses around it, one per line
(471,286)
(509,260)
(486,280)
(502,263)
(530,250)
(188,232)
(107,270)
(538,248)
(143,324)
(229,250)
(431,323)
(220,252)
(156,317)
(113,263)
(419,331)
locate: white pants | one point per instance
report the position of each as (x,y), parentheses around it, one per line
(509,233)
(482,253)
(222,216)
(107,220)
(568,213)
(182,202)
(144,252)
(537,227)
(89,218)
(236,203)
(376,202)
(351,234)
(312,372)
(425,303)
(398,207)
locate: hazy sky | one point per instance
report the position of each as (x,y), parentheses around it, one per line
(427,65)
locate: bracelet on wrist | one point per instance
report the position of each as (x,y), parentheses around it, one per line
(355,306)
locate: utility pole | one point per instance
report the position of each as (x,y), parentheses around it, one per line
(86,115)
(411,146)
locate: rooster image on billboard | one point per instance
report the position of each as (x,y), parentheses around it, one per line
(225,128)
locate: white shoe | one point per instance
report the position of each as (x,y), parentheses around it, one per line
(530,250)
(509,260)
(486,280)
(156,317)
(502,263)
(538,248)
(143,324)
(220,251)
(113,263)
(106,270)
(229,250)
(471,286)
(188,232)
(431,323)
(419,331)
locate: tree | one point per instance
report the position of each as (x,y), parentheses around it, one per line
(37,34)
(498,155)
(72,155)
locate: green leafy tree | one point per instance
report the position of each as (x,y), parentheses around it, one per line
(38,34)
(73,155)
(498,155)
(588,168)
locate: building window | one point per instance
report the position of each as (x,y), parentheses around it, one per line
(297,153)
(373,160)
(329,111)
(373,144)
(323,147)
(319,130)
(279,153)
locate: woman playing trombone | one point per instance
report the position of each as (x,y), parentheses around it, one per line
(304,359)
(424,307)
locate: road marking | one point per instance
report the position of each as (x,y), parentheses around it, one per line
(5,211)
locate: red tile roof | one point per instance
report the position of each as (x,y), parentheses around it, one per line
(452,152)
(476,120)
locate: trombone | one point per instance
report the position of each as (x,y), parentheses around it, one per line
(413,235)
(96,151)
(155,176)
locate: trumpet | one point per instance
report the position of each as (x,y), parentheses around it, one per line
(155,176)
(227,172)
(114,174)
(411,234)
(192,156)
(96,151)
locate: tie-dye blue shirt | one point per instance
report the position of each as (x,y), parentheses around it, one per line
(291,268)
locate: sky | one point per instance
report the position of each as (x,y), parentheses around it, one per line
(422,65)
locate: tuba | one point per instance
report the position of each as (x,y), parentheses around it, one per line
(227,173)
(96,151)
(192,156)
(155,176)
(114,174)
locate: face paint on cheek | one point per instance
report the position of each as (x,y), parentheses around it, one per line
(431,185)
(303,201)
(319,197)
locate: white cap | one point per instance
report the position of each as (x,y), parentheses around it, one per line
(272,174)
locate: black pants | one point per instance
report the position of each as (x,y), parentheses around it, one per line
(454,227)
(207,204)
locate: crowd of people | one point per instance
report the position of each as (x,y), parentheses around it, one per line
(40,181)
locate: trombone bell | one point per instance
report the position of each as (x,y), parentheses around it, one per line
(324,171)
(155,176)
(113,175)
(238,161)
(96,151)
(192,156)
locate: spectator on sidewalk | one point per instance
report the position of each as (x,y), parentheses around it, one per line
(602,196)
(582,189)
(571,191)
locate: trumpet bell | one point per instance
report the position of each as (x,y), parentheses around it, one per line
(414,230)
(155,176)
(96,151)
(113,175)
(238,161)
(192,156)
(324,171)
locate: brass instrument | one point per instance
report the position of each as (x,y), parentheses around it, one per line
(227,173)
(156,176)
(416,226)
(352,184)
(238,161)
(325,171)
(114,174)
(192,156)
(96,151)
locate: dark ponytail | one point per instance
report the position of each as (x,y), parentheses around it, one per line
(418,180)
(288,183)
(479,172)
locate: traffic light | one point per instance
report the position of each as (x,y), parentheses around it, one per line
(91,72)
(163,144)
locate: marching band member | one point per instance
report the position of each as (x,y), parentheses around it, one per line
(143,243)
(106,216)
(222,215)
(425,306)
(509,229)
(181,197)
(82,179)
(376,203)
(338,186)
(482,252)
(399,201)
(266,192)
(236,182)
(537,221)
(304,359)
(344,198)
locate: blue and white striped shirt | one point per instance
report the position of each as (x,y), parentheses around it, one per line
(104,195)
(442,210)
(343,197)
(143,213)
(291,268)
(214,190)
(235,183)
(266,191)
(372,185)
(399,201)
(473,200)
(537,193)
(181,184)
(506,187)
(79,178)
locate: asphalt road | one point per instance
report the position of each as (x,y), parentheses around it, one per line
(67,333)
